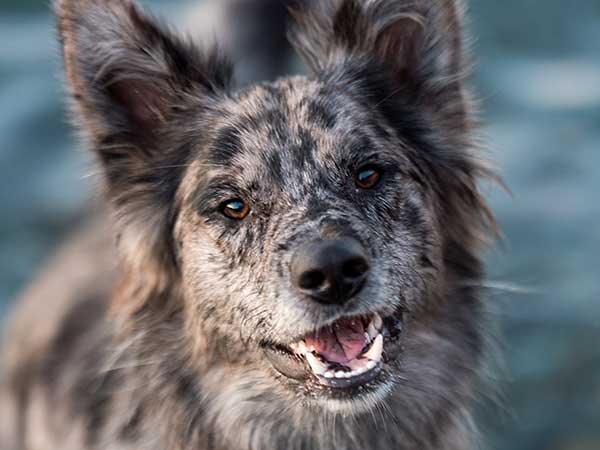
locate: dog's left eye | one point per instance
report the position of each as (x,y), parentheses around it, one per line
(367,177)
(235,209)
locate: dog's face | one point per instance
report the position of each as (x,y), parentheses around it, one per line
(303,220)
(318,236)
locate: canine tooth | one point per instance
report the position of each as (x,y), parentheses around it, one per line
(377,322)
(371,365)
(315,364)
(372,331)
(329,374)
(374,353)
(301,347)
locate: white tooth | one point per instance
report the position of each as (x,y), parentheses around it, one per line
(374,353)
(329,374)
(340,374)
(367,337)
(316,365)
(372,331)
(377,322)
(359,366)
(371,365)
(301,347)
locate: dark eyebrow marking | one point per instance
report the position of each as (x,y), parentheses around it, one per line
(227,144)
(360,145)
(323,114)
(207,198)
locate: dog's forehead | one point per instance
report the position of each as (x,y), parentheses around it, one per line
(294,102)
(280,131)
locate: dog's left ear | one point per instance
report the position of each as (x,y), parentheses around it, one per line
(417,43)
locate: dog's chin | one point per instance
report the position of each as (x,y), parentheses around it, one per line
(337,369)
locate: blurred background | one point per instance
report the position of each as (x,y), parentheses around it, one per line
(538,74)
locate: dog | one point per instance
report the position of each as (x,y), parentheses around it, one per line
(298,262)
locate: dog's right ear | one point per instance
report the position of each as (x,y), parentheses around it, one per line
(128,73)
(132,81)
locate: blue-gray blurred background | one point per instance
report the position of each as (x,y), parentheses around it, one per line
(538,74)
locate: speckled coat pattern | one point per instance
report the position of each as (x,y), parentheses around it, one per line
(158,342)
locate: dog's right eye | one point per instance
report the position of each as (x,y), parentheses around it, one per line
(367,177)
(235,209)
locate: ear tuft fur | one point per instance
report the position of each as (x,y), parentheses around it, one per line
(117,57)
(400,34)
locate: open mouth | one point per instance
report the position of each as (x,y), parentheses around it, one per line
(345,353)
(348,353)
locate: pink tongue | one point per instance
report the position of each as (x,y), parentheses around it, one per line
(341,344)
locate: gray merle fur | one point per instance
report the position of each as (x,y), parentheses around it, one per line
(160,343)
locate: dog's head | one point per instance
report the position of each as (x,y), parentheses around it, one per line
(317,236)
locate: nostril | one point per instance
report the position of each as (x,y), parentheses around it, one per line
(355,268)
(330,271)
(312,279)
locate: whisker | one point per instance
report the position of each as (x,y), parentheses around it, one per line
(502,286)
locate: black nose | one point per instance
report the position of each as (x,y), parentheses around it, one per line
(330,271)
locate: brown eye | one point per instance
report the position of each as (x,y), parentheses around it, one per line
(367,178)
(235,209)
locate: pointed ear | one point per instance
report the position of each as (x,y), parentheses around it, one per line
(417,43)
(132,81)
(128,73)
